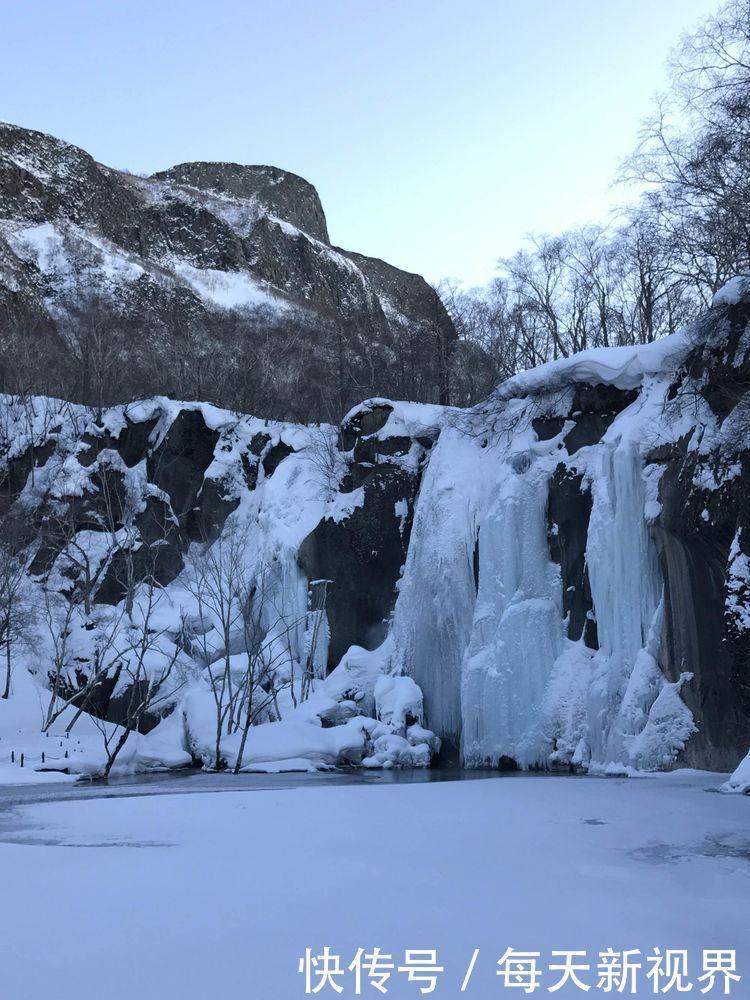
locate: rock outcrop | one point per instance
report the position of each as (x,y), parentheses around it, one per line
(564,570)
(101,268)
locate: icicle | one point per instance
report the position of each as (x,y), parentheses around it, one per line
(518,627)
(433,615)
(626,588)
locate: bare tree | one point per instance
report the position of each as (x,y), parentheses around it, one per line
(269,658)
(694,150)
(75,679)
(89,545)
(220,581)
(16,612)
(147,657)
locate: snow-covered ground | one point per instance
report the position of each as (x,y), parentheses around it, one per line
(218,895)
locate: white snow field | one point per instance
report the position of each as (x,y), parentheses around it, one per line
(211,896)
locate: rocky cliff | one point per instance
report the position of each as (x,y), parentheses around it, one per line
(563,570)
(211,266)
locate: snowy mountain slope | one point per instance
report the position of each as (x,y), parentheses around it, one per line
(562,570)
(170,255)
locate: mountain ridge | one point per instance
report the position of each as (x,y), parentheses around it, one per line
(188,247)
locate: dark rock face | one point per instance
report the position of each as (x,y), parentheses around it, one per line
(592,411)
(179,463)
(192,507)
(568,513)
(694,534)
(362,424)
(547,428)
(722,364)
(273,458)
(285,195)
(363,554)
(149,255)
(15,474)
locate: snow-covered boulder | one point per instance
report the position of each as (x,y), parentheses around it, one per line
(739,783)
(398,702)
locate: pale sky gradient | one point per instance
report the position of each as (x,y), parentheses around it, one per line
(437,132)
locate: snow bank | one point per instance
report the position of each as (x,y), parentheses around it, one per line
(398,699)
(405,419)
(59,754)
(623,367)
(739,783)
(732,292)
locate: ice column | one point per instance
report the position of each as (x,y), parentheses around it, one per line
(433,615)
(518,627)
(626,587)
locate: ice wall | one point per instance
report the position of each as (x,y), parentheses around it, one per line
(626,588)
(517,630)
(499,668)
(435,608)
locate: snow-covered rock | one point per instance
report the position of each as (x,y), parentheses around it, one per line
(557,577)
(398,702)
(739,782)
(156,256)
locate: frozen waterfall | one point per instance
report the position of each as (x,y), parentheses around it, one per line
(493,654)
(518,629)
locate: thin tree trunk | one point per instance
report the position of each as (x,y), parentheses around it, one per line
(6,692)
(219,727)
(112,757)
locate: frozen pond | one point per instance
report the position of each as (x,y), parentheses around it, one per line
(181,782)
(198,895)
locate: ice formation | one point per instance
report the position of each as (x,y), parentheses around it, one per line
(529,625)
(500,668)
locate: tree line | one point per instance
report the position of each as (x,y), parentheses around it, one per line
(660,260)
(283,361)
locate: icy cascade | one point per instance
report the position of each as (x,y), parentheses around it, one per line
(529,694)
(613,706)
(502,668)
(626,588)
(433,617)
(518,627)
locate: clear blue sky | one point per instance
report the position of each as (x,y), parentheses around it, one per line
(438,132)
